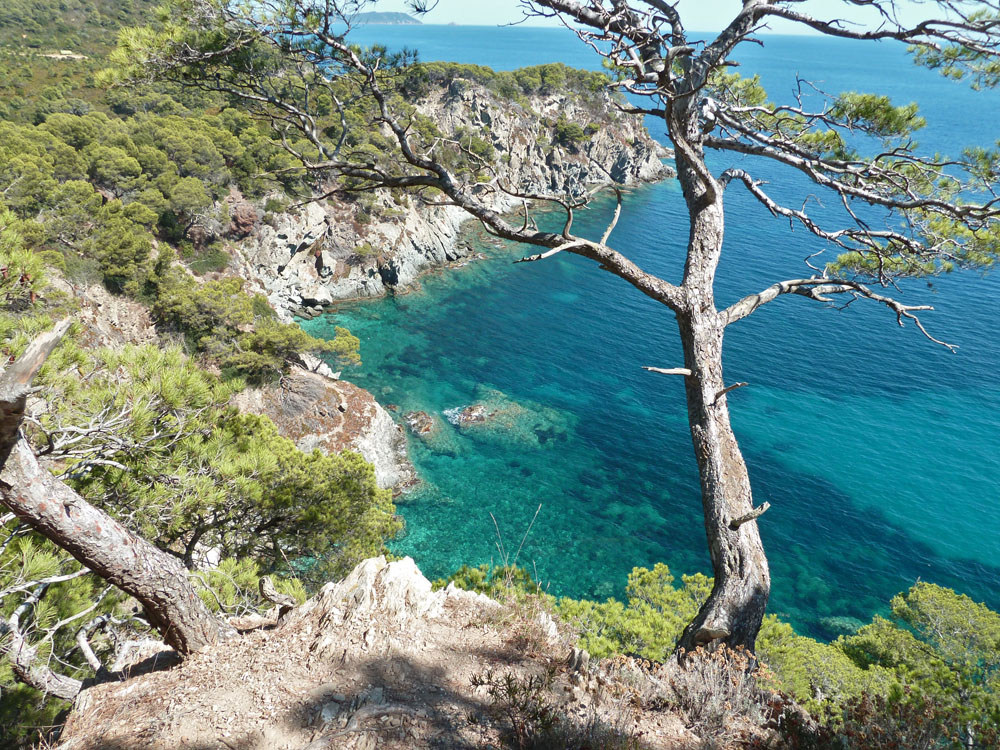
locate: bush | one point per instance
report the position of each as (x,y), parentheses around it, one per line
(189,473)
(647,626)
(223,323)
(530,718)
(568,134)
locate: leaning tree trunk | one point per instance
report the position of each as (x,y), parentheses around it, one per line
(734,610)
(157,580)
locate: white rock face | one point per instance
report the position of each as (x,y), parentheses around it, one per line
(315,411)
(307,259)
(393,595)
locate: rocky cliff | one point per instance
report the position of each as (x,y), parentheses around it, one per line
(316,411)
(323,252)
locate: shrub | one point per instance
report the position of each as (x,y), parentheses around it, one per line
(223,323)
(530,719)
(649,624)
(568,134)
(718,693)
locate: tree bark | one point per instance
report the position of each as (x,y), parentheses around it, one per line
(734,610)
(157,580)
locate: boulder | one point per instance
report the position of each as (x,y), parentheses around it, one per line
(419,422)
(315,411)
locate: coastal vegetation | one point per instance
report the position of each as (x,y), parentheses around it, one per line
(905,213)
(383,17)
(933,662)
(131,194)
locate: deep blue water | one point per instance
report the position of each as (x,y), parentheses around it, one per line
(877,450)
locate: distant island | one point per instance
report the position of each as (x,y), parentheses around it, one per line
(393,19)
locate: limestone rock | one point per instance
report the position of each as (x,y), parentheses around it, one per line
(108,319)
(474,413)
(317,412)
(419,422)
(323,252)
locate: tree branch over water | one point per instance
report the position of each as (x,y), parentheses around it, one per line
(895,212)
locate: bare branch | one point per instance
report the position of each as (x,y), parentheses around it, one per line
(24,657)
(727,389)
(751,516)
(28,585)
(669,371)
(819,289)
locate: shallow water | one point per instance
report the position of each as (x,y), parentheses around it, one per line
(877,450)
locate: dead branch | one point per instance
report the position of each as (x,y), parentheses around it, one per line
(671,371)
(751,516)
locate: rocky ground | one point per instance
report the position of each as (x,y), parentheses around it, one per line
(380,661)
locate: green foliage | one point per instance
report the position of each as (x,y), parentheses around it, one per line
(877,114)
(568,134)
(942,646)
(122,247)
(191,474)
(976,64)
(501,582)
(232,587)
(819,676)
(223,323)
(649,624)
(81,25)
(25,558)
(22,272)
(552,78)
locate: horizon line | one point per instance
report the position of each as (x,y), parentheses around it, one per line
(453,24)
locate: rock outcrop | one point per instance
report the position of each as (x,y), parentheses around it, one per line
(107,319)
(316,411)
(378,660)
(307,258)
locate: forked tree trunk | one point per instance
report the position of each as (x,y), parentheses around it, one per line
(734,610)
(157,580)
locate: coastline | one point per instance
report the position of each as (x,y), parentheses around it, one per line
(306,260)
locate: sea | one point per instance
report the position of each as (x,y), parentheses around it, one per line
(878,450)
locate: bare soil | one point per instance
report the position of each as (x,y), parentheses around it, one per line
(378,661)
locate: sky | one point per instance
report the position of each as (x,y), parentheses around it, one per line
(701,15)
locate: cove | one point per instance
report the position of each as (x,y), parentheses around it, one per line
(876,449)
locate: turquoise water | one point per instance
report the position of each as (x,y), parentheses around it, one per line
(877,450)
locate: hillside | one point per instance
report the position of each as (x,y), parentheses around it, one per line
(386,19)
(82,26)
(379,660)
(188,409)
(136,213)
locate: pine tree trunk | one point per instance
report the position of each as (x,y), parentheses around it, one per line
(157,580)
(735,608)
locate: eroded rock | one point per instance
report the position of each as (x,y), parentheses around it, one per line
(419,422)
(323,252)
(316,412)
